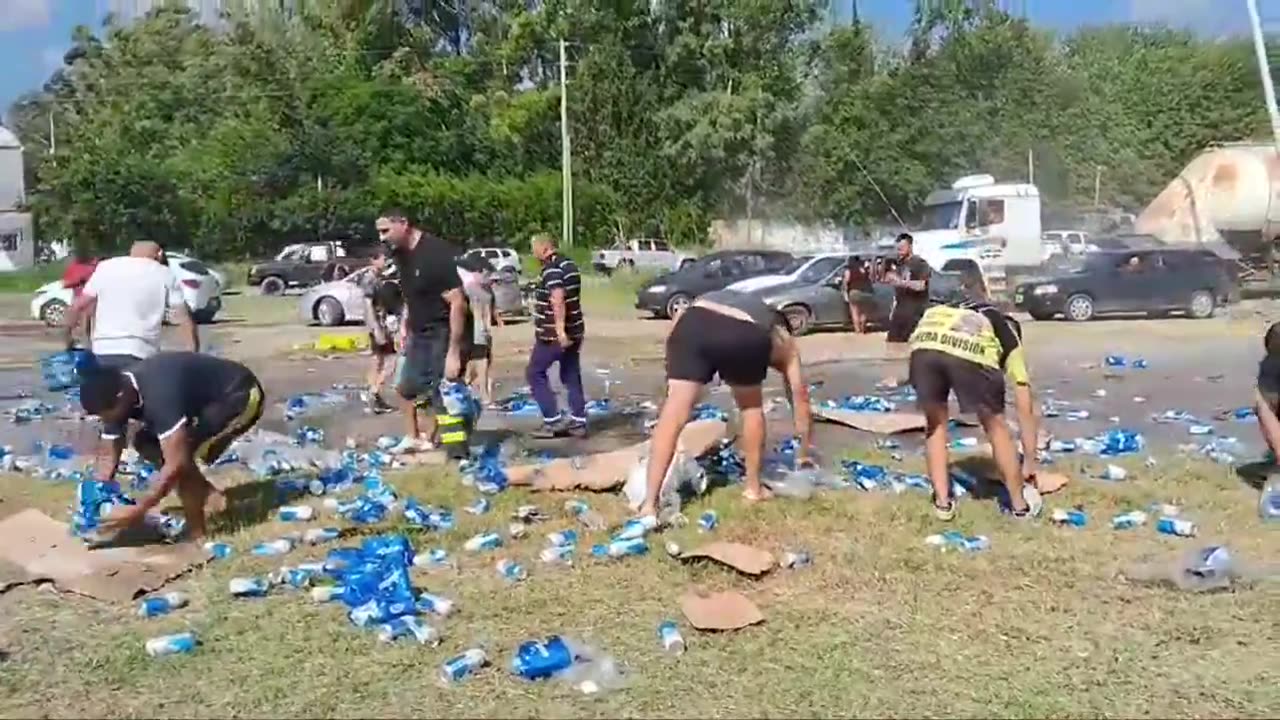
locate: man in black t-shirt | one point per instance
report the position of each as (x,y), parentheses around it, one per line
(1267,395)
(435,322)
(192,407)
(910,281)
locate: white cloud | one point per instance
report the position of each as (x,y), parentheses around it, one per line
(24,14)
(1205,17)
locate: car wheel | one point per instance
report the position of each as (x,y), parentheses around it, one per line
(798,318)
(329,312)
(677,304)
(273,285)
(627,265)
(1041,316)
(1202,305)
(53,313)
(1079,308)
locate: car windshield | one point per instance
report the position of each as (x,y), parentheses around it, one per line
(796,264)
(820,269)
(293,252)
(943,216)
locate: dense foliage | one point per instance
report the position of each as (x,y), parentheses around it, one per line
(236,140)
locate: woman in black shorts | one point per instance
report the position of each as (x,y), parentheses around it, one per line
(858,292)
(739,338)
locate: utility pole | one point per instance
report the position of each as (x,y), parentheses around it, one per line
(1097,186)
(53,140)
(1268,89)
(1031,166)
(566,159)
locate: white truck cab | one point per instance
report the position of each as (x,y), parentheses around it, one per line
(982,220)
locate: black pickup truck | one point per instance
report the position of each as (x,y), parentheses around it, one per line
(307,264)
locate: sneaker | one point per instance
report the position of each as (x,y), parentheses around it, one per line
(945,513)
(411,445)
(1035,503)
(577,429)
(377,405)
(550,430)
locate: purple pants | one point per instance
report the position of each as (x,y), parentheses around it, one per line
(544,355)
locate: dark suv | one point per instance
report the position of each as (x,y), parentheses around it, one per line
(1132,281)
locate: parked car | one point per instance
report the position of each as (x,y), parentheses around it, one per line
(668,294)
(1072,242)
(498,257)
(307,264)
(341,301)
(183,256)
(200,288)
(821,303)
(806,268)
(639,254)
(1127,281)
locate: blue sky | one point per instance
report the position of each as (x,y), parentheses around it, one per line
(35,33)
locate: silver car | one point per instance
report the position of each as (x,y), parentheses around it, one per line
(823,304)
(341,301)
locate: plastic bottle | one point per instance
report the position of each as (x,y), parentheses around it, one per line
(1269,501)
(517,530)
(636,528)
(1114,473)
(157,605)
(316,536)
(171,644)
(408,626)
(562,538)
(589,518)
(669,636)
(557,555)
(1176,526)
(296,513)
(432,559)
(434,604)
(458,667)
(483,541)
(621,548)
(511,571)
(1062,446)
(279,546)
(795,559)
(248,587)
(479,507)
(217,550)
(1129,520)
(326,593)
(1074,518)
(708,520)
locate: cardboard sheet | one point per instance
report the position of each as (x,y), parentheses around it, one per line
(881,423)
(1050,482)
(719,611)
(743,558)
(41,549)
(606,471)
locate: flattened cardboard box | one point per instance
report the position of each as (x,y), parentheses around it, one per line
(608,470)
(881,423)
(743,558)
(41,549)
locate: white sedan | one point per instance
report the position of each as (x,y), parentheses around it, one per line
(201,288)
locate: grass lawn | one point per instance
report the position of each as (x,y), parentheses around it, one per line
(880,625)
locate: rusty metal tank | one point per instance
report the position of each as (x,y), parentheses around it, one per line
(1229,193)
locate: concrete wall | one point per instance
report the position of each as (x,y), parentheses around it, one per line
(789,237)
(12,194)
(17,241)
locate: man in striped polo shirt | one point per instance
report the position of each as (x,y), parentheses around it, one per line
(558,332)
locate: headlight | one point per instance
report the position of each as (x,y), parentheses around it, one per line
(656,288)
(1045,290)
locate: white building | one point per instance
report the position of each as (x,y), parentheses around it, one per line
(17,232)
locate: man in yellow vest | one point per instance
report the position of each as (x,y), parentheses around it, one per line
(969,347)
